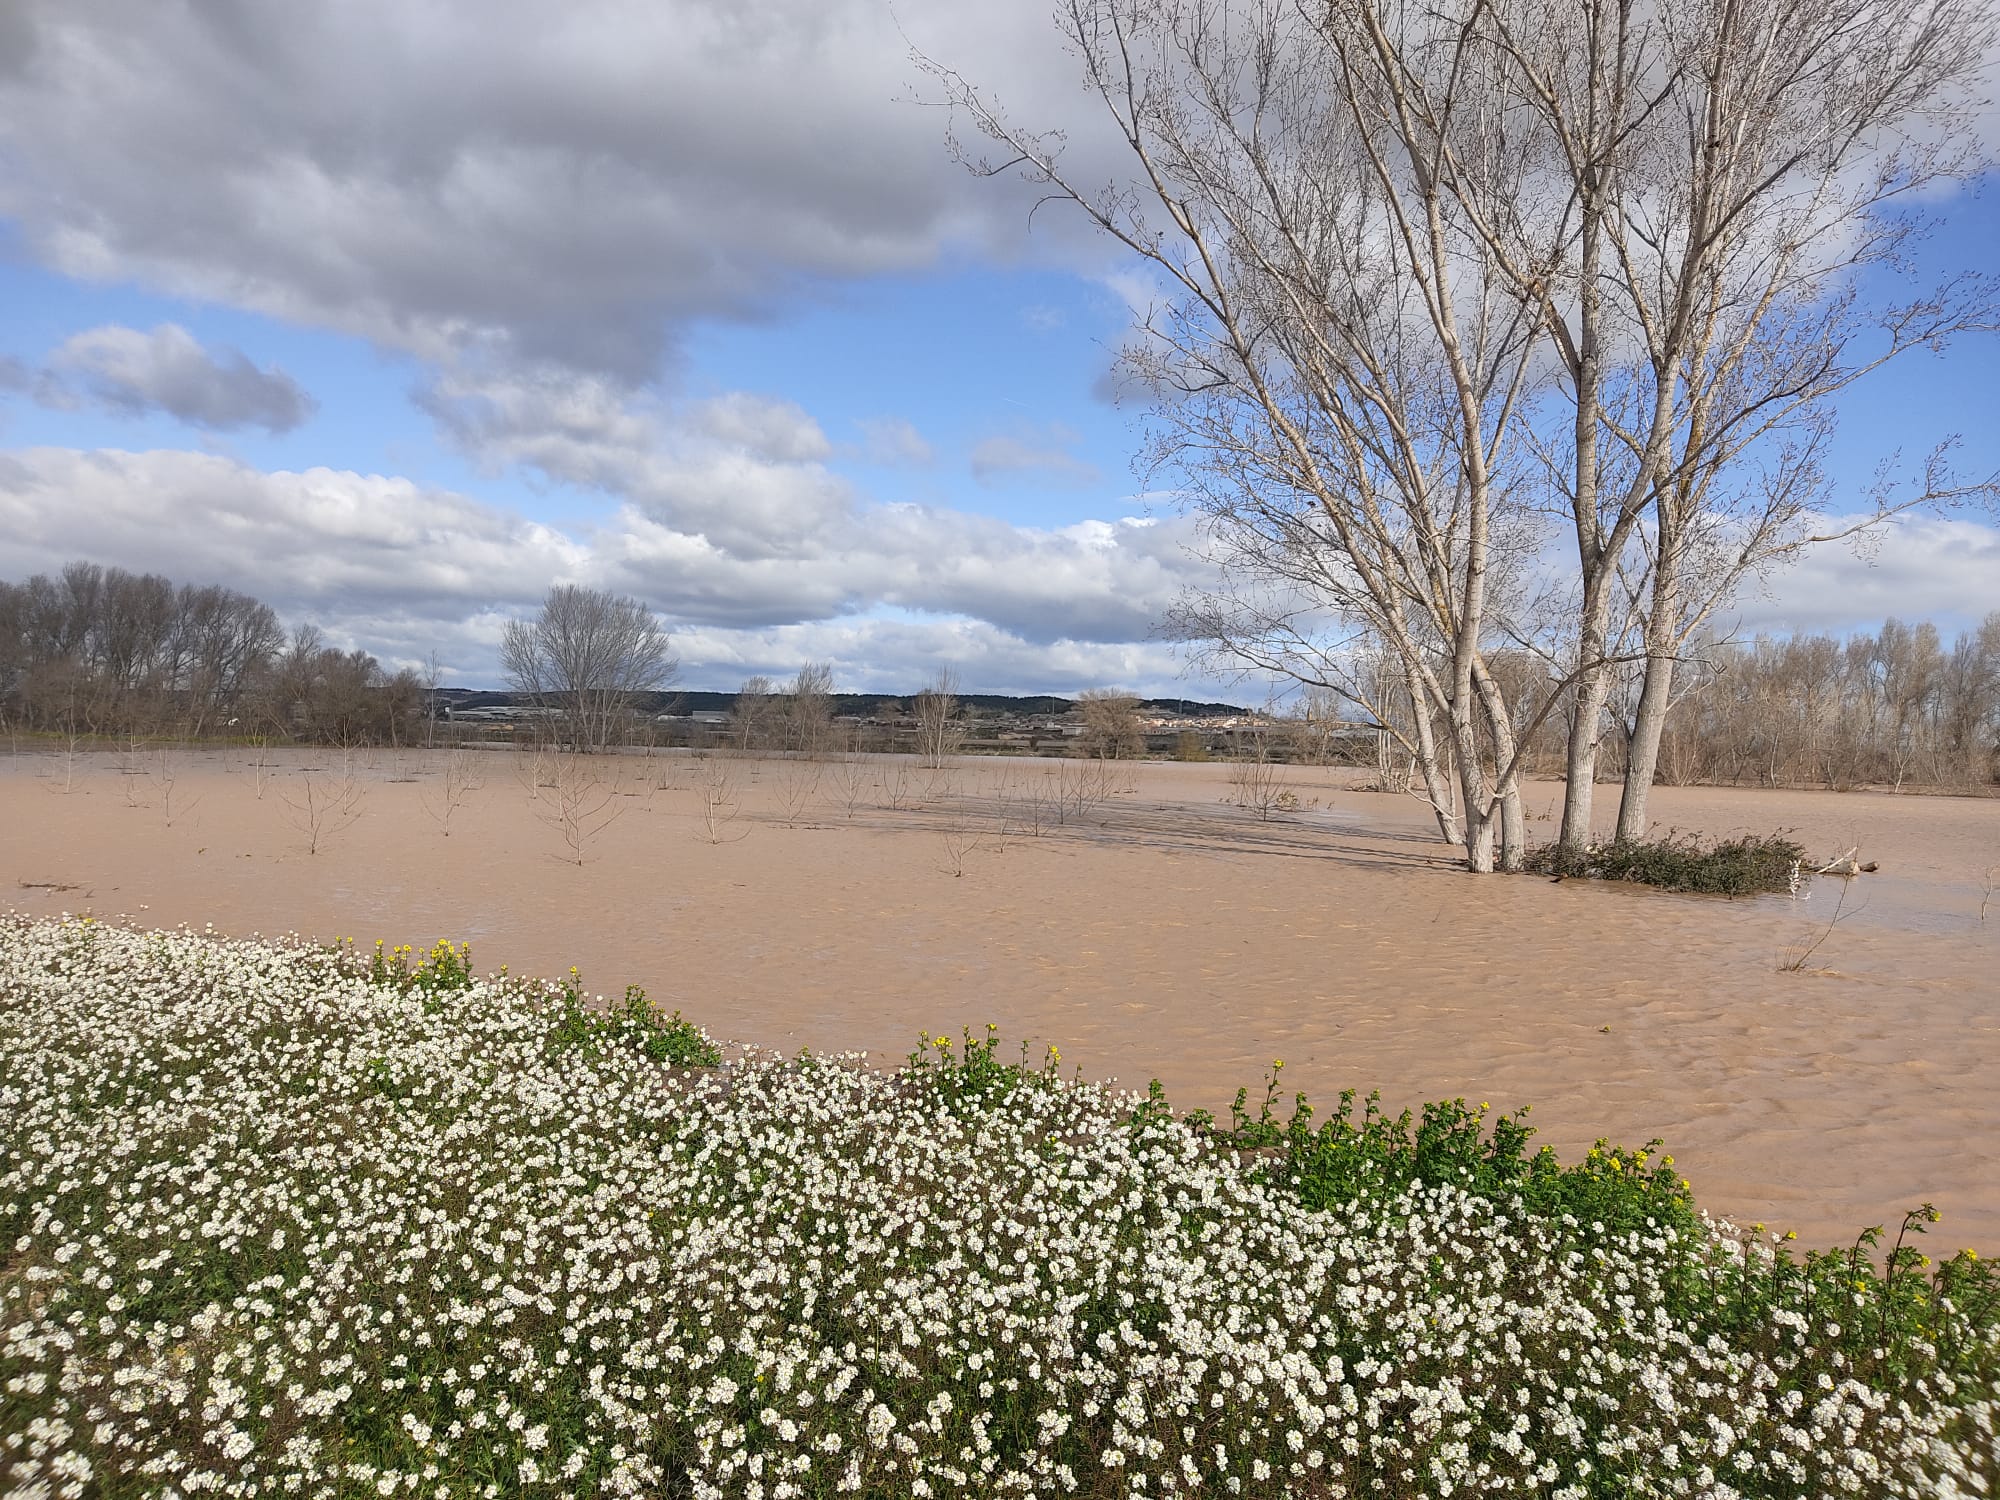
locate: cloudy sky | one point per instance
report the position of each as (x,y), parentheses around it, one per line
(394,312)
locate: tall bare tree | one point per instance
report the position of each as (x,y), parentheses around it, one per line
(1722,174)
(939,729)
(1427,266)
(751,717)
(806,714)
(588,651)
(1335,355)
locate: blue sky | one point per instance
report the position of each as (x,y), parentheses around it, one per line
(395,325)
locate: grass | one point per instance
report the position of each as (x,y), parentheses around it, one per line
(279,1220)
(1752,865)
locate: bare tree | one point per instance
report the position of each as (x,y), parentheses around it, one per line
(1432,272)
(806,713)
(1256,778)
(849,779)
(166,771)
(587,652)
(463,775)
(581,803)
(1724,174)
(715,783)
(321,804)
(1111,728)
(752,718)
(797,779)
(939,730)
(1336,360)
(433,681)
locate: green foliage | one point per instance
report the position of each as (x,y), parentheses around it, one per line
(1752,865)
(974,1073)
(1612,1191)
(1896,1319)
(445,970)
(1897,1323)
(637,1023)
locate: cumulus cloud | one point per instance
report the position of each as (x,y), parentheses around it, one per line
(418,176)
(763,427)
(169,370)
(744,520)
(1945,569)
(312,542)
(389,563)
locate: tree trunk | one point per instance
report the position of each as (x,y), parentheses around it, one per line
(1593,687)
(1479,806)
(1655,698)
(1437,785)
(1513,828)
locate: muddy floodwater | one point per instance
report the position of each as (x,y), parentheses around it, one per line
(1158,931)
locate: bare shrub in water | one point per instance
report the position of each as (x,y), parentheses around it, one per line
(321,803)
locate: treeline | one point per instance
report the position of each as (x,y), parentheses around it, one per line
(1895,708)
(1889,709)
(101,652)
(94,651)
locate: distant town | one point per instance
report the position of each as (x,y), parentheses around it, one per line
(990,723)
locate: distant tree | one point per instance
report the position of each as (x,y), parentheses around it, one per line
(588,652)
(750,722)
(807,713)
(939,730)
(1111,729)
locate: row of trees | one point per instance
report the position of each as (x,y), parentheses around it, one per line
(95,651)
(1491,327)
(1890,708)
(1887,709)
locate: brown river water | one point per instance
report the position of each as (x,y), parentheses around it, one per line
(1164,933)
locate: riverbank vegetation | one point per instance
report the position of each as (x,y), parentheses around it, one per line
(283,1220)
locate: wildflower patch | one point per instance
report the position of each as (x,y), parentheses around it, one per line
(276,1220)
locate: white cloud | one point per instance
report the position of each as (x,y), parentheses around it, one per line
(320,542)
(765,428)
(168,370)
(396,567)
(533,183)
(884,592)
(1919,568)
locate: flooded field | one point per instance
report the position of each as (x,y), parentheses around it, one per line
(1147,925)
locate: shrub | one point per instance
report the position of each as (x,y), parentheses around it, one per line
(637,1023)
(1752,865)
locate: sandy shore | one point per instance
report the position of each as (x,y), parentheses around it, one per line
(1165,932)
